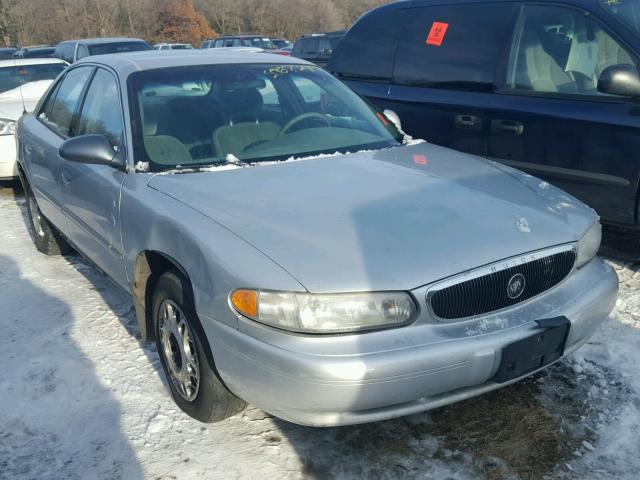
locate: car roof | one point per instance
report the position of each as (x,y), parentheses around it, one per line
(129,62)
(103,40)
(19,62)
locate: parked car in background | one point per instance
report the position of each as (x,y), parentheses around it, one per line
(7,52)
(173,46)
(281,43)
(318,47)
(550,88)
(22,84)
(226,41)
(369,279)
(39,51)
(73,50)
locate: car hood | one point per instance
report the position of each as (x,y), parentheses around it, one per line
(392,219)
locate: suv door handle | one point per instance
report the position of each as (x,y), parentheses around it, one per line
(507,126)
(468,122)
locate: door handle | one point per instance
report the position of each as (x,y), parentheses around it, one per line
(507,126)
(468,122)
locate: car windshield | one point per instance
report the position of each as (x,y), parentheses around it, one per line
(628,11)
(118,47)
(14,77)
(204,115)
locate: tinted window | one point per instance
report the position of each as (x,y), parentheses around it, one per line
(369,46)
(66,51)
(61,106)
(219,43)
(454,46)
(102,111)
(118,47)
(13,77)
(6,54)
(561,50)
(310,47)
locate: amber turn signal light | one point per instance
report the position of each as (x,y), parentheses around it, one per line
(245,302)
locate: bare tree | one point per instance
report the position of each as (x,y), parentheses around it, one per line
(49,21)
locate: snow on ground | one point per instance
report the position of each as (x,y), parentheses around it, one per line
(82,398)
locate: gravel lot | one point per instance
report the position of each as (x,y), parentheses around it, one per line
(82,398)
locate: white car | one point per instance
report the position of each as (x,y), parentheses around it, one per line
(22,83)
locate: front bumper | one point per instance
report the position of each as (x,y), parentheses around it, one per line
(8,166)
(350,379)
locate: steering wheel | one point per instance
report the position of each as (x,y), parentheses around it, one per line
(300,118)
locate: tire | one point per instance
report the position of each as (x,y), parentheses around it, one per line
(190,372)
(45,236)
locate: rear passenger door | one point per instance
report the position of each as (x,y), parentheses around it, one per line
(91,193)
(444,74)
(549,119)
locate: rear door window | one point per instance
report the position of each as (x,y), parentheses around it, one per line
(310,47)
(453,46)
(60,108)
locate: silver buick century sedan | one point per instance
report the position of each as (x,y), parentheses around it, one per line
(286,245)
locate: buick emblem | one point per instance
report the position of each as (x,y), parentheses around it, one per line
(516,286)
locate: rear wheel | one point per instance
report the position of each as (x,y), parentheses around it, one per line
(185,354)
(46,237)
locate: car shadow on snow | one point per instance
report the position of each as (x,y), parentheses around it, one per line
(57,420)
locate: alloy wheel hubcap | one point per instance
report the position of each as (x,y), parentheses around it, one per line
(178,347)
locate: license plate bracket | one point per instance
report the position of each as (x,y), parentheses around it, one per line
(534,352)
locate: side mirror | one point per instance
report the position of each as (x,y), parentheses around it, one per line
(393,118)
(621,80)
(92,149)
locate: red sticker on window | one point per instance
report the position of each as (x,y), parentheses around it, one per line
(437,33)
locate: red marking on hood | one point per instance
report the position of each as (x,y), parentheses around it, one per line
(420,159)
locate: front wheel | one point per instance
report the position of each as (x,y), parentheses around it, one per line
(183,350)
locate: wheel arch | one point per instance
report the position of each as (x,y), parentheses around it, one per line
(149,265)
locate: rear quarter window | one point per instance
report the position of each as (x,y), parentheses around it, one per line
(455,46)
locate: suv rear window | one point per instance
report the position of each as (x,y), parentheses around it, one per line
(119,47)
(453,46)
(14,77)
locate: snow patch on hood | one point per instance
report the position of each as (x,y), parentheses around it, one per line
(234,163)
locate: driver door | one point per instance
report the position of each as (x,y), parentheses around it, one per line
(550,120)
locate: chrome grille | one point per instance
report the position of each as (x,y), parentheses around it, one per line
(491,291)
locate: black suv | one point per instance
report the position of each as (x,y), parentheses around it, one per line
(548,87)
(226,41)
(73,50)
(317,47)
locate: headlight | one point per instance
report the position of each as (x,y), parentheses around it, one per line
(7,127)
(589,244)
(326,313)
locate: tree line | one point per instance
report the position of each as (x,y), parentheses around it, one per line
(32,22)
